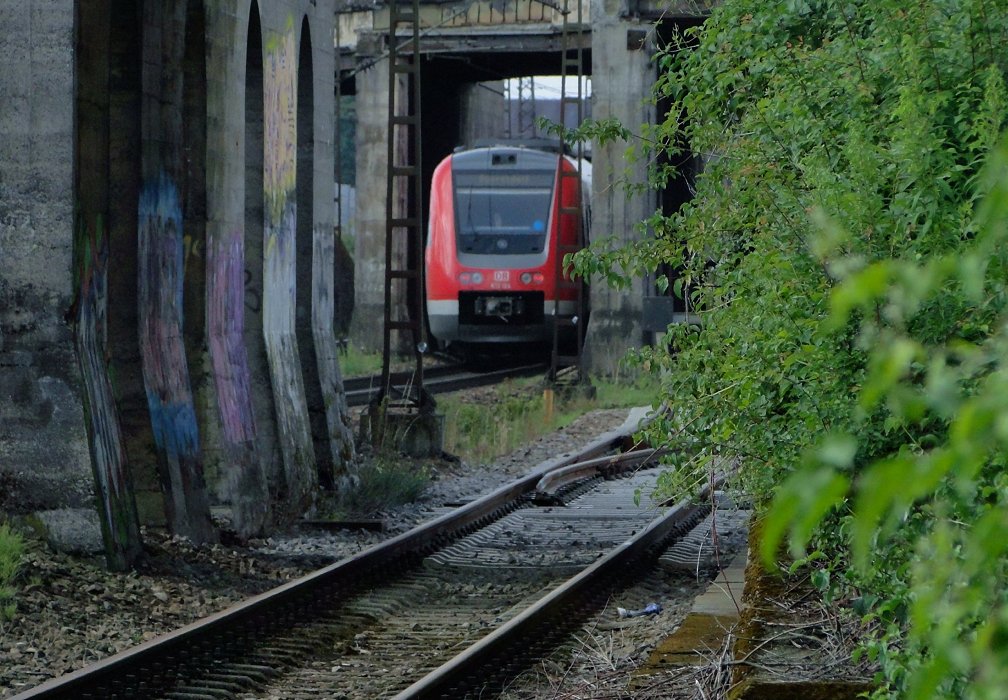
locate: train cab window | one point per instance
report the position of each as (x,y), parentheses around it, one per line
(502,213)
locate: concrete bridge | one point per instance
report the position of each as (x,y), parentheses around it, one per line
(465,46)
(167,246)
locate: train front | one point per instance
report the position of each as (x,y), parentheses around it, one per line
(490,256)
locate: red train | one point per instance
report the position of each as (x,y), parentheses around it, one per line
(492,244)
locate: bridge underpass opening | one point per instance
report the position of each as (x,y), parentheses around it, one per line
(445,80)
(464,99)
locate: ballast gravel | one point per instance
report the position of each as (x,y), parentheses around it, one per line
(72,612)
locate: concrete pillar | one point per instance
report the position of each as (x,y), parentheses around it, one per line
(162,280)
(44,457)
(622,75)
(337,432)
(239,443)
(369,226)
(280,65)
(484,112)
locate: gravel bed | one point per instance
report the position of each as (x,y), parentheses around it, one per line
(72,612)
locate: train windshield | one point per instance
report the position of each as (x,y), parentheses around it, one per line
(503,212)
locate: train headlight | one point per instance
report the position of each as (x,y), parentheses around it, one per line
(477,278)
(537,277)
(464,278)
(526,277)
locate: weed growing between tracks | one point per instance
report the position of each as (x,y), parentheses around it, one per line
(355,362)
(480,426)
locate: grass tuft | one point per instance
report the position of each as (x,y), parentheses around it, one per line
(385,482)
(357,363)
(11,552)
(483,431)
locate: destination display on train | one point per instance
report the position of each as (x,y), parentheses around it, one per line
(528,179)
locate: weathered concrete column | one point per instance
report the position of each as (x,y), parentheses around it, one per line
(369,227)
(44,455)
(280,81)
(237,445)
(334,433)
(622,75)
(162,279)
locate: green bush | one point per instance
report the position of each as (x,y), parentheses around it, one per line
(847,250)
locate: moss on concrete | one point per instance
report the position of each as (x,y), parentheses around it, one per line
(696,640)
(765,591)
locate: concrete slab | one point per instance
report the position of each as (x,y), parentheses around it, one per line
(723,597)
(71,530)
(714,613)
(695,642)
(636,417)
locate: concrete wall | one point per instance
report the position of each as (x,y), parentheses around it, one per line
(484,112)
(162,96)
(44,459)
(369,226)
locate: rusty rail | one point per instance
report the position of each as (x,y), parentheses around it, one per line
(227,633)
(480,662)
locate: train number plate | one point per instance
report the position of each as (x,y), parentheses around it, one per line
(499,306)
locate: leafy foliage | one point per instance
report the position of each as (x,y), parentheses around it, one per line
(847,249)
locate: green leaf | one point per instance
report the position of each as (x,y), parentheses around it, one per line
(800,503)
(860,289)
(837,451)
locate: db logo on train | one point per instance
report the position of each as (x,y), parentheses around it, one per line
(502,275)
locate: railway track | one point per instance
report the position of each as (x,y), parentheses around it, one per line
(437,380)
(450,607)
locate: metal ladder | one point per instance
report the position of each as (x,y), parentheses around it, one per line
(526,108)
(403,229)
(572,66)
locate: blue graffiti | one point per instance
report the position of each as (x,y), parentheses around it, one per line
(174,426)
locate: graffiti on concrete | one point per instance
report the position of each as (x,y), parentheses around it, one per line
(165,369)
(225,323)
(117,506)
(253,301)
(225,330)
(166,373)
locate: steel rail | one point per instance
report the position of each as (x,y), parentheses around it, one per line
(360,390)
(548,486)
(491,651)
(252,618)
